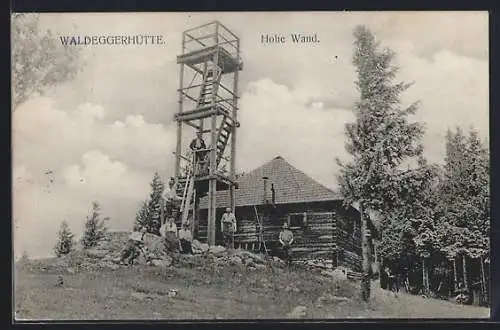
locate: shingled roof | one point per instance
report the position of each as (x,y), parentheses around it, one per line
(290,184)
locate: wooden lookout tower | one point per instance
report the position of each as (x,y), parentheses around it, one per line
(208,107)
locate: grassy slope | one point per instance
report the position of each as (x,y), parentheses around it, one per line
(207,291)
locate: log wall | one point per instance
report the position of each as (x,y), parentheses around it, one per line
(327,231)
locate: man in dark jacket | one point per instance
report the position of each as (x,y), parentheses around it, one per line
(198,147)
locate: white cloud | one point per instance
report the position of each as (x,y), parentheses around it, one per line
(46,137)
(64,160)
(91,112)
(39,208)
(99,175)
(453,90)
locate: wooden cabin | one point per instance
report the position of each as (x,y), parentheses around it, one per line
(277,192)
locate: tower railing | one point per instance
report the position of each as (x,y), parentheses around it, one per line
(210,35)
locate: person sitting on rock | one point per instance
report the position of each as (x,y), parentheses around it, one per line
(186,239)
(286,240)
(134,247)
(169,232)
(228,228)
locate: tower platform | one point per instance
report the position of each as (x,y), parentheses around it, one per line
(202,112)
(201,182)
(226,61)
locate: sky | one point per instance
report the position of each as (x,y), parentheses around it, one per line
(102,136)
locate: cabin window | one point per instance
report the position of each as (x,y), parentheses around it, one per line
(297,220)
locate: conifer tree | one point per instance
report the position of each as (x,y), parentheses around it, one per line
(65,240)
(464,211)
(380,142)
(95,228)
(149,213)
(142,217)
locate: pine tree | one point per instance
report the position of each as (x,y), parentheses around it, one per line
(95,229)
(156,201)
(380,141)
(65,240)
(142,218)
(464,211)
(149,214)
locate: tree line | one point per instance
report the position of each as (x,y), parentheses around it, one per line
(429,218)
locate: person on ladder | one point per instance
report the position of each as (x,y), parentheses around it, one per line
(198,147)
(228,228)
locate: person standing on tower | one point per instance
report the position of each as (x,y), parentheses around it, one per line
(199,147)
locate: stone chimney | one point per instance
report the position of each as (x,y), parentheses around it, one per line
(265,198)
(273,194)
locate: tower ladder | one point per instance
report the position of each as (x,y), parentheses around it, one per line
(211,78)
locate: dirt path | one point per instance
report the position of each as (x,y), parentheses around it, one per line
(385,305)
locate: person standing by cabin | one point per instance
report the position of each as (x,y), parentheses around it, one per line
(286,240)
(198,147)
(228,228)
